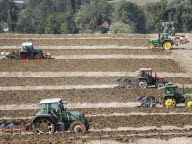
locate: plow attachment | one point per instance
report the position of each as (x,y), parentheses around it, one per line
(149,102)
(180,40)
(15,126)
(124,83)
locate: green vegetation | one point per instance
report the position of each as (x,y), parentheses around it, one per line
(90,16)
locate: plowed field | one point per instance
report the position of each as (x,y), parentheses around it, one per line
(111,117)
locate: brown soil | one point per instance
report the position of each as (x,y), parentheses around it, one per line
(114,65)
(91,95)
(79,95)
(94,111)
(56,81)
(82,138)
(73,36)
(101,52)
(75,95)
(101,122)
(77,42)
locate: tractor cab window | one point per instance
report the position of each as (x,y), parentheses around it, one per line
(45,108)
(170,91)
(162,37)
(146,74)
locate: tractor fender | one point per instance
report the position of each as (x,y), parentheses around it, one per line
(43,116)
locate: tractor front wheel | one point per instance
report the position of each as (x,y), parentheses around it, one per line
(188,103)
(159,85)
(151,47)
(167,45)
(169,102)
(77,127)
(24,56)
(44,126)
(142,84)
(38,56)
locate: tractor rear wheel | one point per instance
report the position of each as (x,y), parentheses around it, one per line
(44,126)
(77,127)
(142,84)
(188,103)
(169,102)
(24,56)
(151,47)
(167,45)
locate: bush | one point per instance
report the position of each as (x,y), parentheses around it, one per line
(119,27)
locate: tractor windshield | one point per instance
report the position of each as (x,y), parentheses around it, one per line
(45,108)
(169,90)
(145,74)
(162,37)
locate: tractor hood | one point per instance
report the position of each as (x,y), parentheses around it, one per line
(187,95)
(158,78)
(37,51)
(73,115)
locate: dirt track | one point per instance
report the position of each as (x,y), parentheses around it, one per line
(85,95)
(113,65)
(100,52)
(97,111)
(76,42)
(14,81)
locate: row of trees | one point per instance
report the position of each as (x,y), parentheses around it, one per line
(87,16)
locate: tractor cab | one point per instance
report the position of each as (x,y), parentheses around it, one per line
(54,104)
(163,36)
(27,46)
(146,73)
(168,27)
(171,89)
(145,79)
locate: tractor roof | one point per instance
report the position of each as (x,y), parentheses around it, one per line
(27,44)
(146,69)
(54,100)
(171,86)
(163,33)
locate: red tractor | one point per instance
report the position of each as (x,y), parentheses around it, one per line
(146,79)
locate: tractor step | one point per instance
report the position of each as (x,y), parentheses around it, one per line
(60,127)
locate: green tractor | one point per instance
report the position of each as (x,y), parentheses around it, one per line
(171,97)
(162,41)
(54,118)
(27,51)
(168,27)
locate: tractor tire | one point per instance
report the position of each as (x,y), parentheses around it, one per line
(167,45)
(188,103)
(43,126)
(169,102)
(159,85)
(38,56)
(151,47)
(24,56)
(77,127)
(142,84)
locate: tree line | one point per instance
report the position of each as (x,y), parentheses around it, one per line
(88,16)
